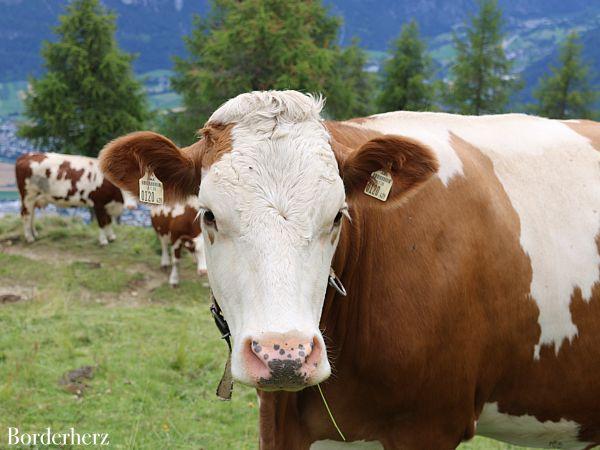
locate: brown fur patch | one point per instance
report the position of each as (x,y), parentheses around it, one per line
(23,168)
(23,173)
(104,194)
(218,142)
(349,137)
(66,172)
(588,129)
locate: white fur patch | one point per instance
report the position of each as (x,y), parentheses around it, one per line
(114,208)
(551,175)
(129,200)
(527,430)
(200,258)
(266,107)
(338,445)
(175,210)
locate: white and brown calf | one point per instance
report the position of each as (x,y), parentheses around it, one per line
(178,227)
(68,181)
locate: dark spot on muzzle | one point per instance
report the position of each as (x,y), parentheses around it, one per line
(284,374)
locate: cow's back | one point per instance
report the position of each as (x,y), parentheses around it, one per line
(64,180)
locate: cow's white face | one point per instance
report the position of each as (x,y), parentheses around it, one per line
(272,211)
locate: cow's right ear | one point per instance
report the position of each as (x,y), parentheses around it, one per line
(406,163)
(126,159)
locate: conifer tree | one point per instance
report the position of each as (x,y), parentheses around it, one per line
(350,90)
(88,94)
(481,82)
(407,74)
(260,45)
(567,93)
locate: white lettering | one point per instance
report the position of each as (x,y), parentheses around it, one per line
(13,433)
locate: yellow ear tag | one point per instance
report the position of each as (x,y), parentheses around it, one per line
(379,185)
(151,190)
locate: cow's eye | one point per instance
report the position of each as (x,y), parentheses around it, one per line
(338,218)
(209,218)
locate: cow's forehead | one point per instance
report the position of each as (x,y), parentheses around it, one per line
(292,172)
(280,157)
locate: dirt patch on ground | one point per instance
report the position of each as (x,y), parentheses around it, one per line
(74,381)
(15,247)
(15,293)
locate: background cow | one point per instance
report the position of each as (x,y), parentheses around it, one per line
(68,181)
(178,226)
(473,285)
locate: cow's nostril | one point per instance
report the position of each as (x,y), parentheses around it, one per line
(256,347)
(314,353)
(254,361)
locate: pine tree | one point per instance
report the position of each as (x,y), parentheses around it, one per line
(481,82)
(258,45)
(350,89)
(88,95)
(407,74)
(567,93)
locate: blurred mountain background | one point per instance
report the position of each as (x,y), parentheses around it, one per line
(153,29)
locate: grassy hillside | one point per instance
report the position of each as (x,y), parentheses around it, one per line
(66,303)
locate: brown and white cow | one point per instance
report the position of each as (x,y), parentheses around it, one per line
(473,300)
(178,226)
(68,180)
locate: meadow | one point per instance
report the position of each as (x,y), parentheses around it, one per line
(156,357)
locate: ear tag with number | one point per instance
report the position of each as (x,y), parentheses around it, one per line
(151,189)
(379,185)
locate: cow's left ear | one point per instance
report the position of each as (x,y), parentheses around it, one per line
(407,162)
(126,159)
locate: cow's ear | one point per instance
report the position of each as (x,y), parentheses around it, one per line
(126,159)
(407,162)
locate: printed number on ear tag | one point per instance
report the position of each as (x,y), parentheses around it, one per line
(151,189)
(379,185)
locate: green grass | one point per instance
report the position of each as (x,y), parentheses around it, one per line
(157,354)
